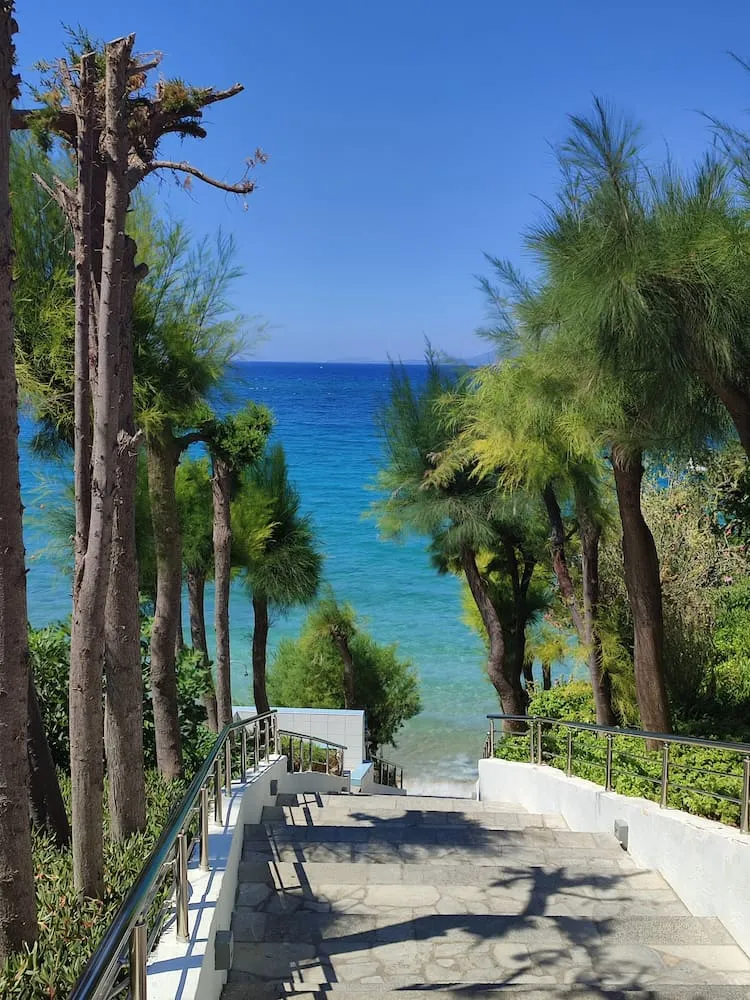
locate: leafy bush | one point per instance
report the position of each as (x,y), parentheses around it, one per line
(308,672)
(50,660)
(704,773)
(71,928)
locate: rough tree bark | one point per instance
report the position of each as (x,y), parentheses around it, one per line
(222,538)
(18,924)
(737,404)
(46,804)
(643,585)
(260,644)
(601,685)
(196,590)
(504,678)
(163,455)
(87,631)
(584,624)
(342,644)
(123,710)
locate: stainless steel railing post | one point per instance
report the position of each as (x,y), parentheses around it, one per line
(256,738)
(492,737)
(664,775)
(138,955)
(243,755)
(539,748)
(218,817)
(204,829)
(569,762)
(608,774)
(228,766)
(311,753)
(745,807)
(181,895)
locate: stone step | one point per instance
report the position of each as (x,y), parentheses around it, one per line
(337,932)
(482,991)
(606,963)
(301,816)
(535,892)
(392,803)
(538,877)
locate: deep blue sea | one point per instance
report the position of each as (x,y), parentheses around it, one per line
(325,417)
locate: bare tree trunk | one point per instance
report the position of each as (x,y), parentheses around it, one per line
(737,403)
(87,631)
(342,644)
(222,537)
(643,584)
(179,639)
(546,675)
(560,560)
(123,714)
(499,670)
(260,644)
(162,457)
(590,533)
(18,924)
(196,588)
(46,803)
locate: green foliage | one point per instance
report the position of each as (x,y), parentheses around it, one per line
(308,672)
(239,438)
(195,506)
(50,661)
(273,542)
(71,928)
(705,773)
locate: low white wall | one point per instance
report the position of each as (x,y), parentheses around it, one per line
(182,970)
(313,782)
(706,863)
(344,726)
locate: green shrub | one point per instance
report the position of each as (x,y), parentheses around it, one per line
(50,659)
(705,773)
(71,928)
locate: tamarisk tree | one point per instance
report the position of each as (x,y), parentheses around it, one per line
(18,925)
(101,105)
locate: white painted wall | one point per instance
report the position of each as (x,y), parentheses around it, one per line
(183,970)
(345,726)
(314,781)
(706,863)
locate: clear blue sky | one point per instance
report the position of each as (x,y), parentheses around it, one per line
(405,138)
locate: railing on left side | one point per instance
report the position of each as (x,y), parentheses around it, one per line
(291,739)
(656,758)
(118,965)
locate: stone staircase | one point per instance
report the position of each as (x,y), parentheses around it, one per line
(407,897)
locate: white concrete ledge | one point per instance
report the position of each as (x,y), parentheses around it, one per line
(183,970)
(706,863)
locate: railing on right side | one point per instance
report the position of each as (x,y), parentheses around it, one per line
(662,766)
(388,774)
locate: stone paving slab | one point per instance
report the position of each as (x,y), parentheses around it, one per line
(481,991)
(487,819)
(506,961)
(469,834)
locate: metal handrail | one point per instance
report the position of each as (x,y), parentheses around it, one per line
(303,738)
(536,723)
(391,770)
(128,927)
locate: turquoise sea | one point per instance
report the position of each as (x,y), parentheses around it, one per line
(325,417)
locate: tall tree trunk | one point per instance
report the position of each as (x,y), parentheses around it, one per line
(737,403)
(46,803)
(345,652)
(641,564)
(87,631)
(222,537)
(179,639)
(499,670)
(601,685)
(196,589)
(162,456)
(123,711)
(560,560)
(260,645)
(18,925)
(546,675)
